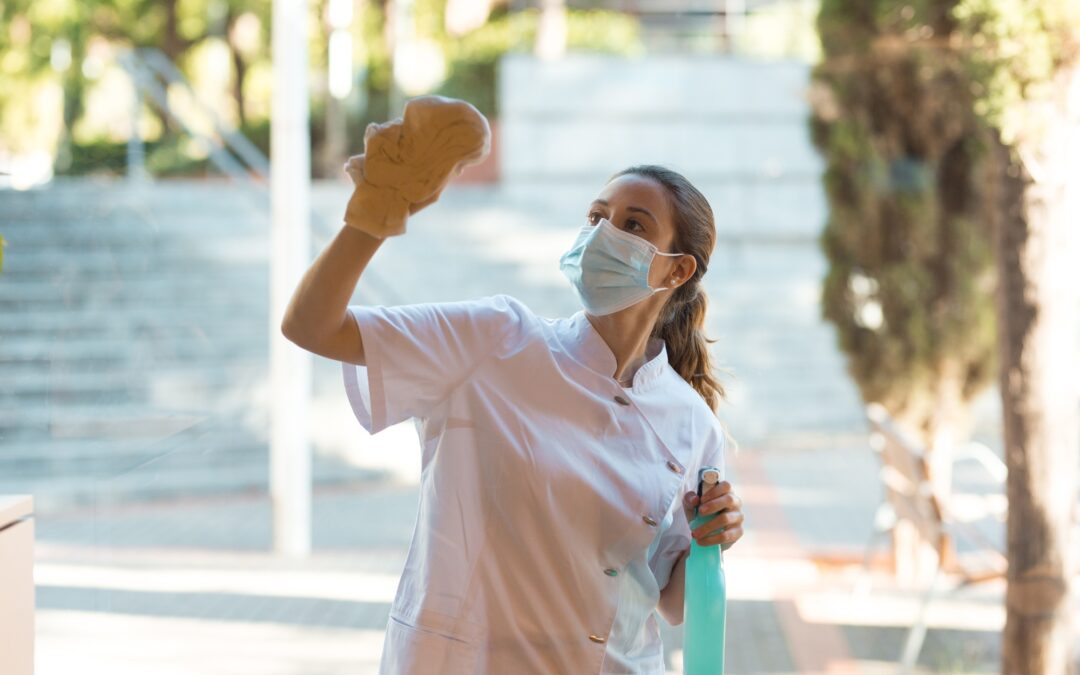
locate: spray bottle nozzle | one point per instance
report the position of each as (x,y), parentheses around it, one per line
(707,477)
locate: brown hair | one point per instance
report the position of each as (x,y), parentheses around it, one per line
(682,319)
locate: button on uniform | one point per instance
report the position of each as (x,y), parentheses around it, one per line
(611,572)
(674,467)
(648,520)
(619,399)
(596,638)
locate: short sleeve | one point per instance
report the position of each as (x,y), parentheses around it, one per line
(417,354)
(675,539)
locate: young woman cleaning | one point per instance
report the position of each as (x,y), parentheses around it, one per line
(559,455)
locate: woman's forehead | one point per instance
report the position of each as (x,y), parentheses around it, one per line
(630,190)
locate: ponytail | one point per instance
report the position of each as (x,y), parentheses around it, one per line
(681,326)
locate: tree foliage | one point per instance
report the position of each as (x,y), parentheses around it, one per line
(910,279)
(31,32)
(1013,49)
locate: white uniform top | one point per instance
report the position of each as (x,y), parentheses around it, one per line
(550,511)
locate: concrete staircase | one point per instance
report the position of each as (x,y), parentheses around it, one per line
(133,343)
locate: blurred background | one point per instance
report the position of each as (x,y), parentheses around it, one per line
(894,187)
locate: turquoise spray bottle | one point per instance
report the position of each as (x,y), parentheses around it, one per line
(705,597)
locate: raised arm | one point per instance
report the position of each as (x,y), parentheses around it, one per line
(316,318)
(412,160)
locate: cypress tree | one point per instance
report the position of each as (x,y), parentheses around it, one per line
(910,282)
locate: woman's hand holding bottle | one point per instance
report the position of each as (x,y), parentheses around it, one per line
(726,528)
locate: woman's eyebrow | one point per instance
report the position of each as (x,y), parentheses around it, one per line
(628,208)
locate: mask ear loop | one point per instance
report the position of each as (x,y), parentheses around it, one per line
(672,284)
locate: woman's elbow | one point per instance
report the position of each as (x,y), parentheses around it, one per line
(342,344)
(291,332)
(304,339)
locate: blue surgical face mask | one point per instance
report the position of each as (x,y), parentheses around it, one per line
(609,267)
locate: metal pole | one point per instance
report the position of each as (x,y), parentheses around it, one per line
(136,154)
(290,366)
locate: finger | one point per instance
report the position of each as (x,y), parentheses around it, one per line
(425,202)
(370,130)
(355,168)
(720,488)
(730,519)
(690,503)
(719,521)
(430,200)
(714,505)
(728,536)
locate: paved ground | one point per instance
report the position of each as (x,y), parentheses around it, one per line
(188,586)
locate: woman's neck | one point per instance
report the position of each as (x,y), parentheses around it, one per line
(628,337)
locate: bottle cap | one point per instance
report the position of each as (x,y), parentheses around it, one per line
(707,477)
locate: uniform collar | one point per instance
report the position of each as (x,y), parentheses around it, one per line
(590,348)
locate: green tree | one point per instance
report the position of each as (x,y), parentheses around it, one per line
(38,35)
(910,281)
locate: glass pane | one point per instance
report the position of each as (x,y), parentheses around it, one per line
(205,495)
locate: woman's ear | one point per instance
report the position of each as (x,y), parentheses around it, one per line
(686,265)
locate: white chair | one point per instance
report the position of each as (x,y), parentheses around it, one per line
(909,496)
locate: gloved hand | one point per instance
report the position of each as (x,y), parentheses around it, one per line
(409,160)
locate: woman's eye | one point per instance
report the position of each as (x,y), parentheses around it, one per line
(631,221)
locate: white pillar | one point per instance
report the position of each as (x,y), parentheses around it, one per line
(551,33)
(403,33)
(290,366)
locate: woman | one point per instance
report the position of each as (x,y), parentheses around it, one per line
(555,452)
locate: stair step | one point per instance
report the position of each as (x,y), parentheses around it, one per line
(66,491)
(100,421)
(187,344)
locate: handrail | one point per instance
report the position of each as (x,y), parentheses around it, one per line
(148,67)
(150,76)
(237,142)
